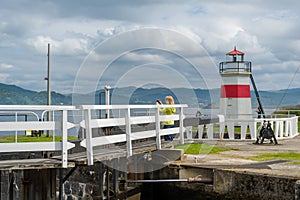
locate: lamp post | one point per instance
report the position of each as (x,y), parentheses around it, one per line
(48,78)
(107,102)
(107,99)
(48,87)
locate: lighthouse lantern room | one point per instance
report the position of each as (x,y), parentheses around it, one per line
(235,98)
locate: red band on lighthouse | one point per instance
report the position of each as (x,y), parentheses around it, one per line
(235,91)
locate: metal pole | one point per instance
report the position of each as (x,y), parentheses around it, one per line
(48,78)
(257,96)
(48,88)
(189,180)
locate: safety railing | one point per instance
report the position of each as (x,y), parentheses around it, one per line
(13,124)
(127,118)
(238,66)
(245,129)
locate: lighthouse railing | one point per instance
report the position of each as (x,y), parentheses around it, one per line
(238,66)
(243,129)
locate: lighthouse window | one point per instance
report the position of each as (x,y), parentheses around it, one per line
(234,58)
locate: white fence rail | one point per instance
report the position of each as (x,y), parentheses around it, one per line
(127,119)
(245,129)
(124,116)
(14,125)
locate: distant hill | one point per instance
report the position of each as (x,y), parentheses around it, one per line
(278,98)
(14,95)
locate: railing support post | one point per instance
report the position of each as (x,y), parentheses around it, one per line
(157,129)
(88,130)
(181,129)
(253,129)
(64,131)
(128,133)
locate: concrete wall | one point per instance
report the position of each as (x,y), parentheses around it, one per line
(242,185)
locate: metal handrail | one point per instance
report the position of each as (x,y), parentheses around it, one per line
(238,66)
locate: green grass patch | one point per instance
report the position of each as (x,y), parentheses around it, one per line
(24,138)
(277,156)
(198,148)
(295,163)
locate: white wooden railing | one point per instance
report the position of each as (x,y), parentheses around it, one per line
(14,125)
(124,116)
(246,129)
(127,119)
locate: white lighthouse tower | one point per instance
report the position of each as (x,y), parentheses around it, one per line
(235,98)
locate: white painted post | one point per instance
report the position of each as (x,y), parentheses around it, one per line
(181,131)
(221,126)
(276,131)
(128,133)
(64,131)
(291,127)
(189,132)
(53,131)
(230,128)
(244,130)
(88,132)
(281,129)
(157,128)
(210,131)
(200,131)
(295,126)
(253,130)
(287,128)
(16,132)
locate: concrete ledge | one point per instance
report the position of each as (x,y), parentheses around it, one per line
(169,154)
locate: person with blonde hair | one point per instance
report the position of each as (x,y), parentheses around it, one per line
(168,111)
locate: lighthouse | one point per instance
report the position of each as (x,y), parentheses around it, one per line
(235,98)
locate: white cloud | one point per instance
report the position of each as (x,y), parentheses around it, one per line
(267,31)
(4,66)
(146,57)
(68,46)
(3,77)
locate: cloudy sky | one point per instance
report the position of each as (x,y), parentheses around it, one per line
(194,33)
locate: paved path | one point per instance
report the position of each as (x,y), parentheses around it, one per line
(238,159)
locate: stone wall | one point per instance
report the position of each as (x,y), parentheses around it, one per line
(83,183)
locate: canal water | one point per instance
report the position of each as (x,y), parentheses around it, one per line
(169,191)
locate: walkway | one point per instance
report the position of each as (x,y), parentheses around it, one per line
(239,158)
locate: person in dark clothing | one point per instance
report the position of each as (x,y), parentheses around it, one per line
(259,112)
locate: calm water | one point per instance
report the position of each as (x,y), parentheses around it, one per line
(167,191)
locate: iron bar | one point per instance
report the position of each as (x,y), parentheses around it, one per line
(189,180)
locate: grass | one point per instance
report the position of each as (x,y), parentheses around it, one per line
(277,156)
(24,138)
(198,148)
(295,163)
